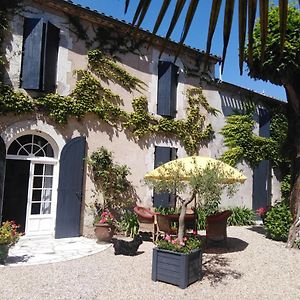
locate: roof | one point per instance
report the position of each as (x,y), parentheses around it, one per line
(97,17)
(245,91)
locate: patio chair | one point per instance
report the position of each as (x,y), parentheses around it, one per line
(164,225)
(216,227)
(146,220)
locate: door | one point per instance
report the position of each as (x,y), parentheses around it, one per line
(70,189)
(40,214)
(16,191)
(30,184)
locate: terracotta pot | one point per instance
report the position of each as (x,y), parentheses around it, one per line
(3,252)
(104,232)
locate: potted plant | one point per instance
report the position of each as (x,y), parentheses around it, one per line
(113,192)
(176,262)
(190,181)
(9,235)
(104,226)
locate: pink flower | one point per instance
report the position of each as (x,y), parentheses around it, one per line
(261,211)
(168,238)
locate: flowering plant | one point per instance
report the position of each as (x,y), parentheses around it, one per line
(173,244)
(8,233)
(261,211)
(106,217)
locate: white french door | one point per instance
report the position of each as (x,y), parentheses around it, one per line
(41,199)
(41,192)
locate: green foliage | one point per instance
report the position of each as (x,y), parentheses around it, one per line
(298,243)
(129,223)
(90,96)
(241,216)
(6,8)
(167,210)
(107,69)
(285,188)
(209,184)
(278,221)
(202,213)
(173,244)
(139,121)
(110,179)
(244,144)
(15,102)
(276,67)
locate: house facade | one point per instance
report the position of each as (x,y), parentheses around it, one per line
(86,81)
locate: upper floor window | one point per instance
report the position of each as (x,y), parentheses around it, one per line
(167,89)
(40,51)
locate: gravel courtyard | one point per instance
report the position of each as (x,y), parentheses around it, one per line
(252,268)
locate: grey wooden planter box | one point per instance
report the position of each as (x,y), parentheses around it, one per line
(177,268)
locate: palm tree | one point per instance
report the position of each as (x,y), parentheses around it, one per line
(246,20)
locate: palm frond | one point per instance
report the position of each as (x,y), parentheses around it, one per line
(161,15)
(252,4)
(126,5)
(263,13)
(242,31)
(187,23)
(228,16)
(283,11)
(214,14)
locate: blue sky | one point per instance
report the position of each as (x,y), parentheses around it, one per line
(196,38)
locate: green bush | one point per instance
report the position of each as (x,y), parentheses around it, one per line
(278,222)
(167,210)
(201,218)
(298,243)
(241,216)
(129,224)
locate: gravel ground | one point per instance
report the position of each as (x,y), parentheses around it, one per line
(253,267)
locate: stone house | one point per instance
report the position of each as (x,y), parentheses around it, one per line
(59,122)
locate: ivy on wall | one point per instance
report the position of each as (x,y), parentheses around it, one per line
(244,144)
(91,96)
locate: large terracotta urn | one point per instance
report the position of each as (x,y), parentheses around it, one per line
(104,232)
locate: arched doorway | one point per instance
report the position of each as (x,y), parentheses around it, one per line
(30,190)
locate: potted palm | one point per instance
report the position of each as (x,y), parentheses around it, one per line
(9,235)
(193,181)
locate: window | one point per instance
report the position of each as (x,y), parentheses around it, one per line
(40,51)
(31,145)
(161,156)
(167,89)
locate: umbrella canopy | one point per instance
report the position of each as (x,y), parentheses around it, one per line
(187,166)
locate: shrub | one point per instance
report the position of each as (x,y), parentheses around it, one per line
(129,224)
(278,222)
(241,216)
(298,243)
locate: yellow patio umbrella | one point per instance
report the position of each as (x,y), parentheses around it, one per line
(187,166)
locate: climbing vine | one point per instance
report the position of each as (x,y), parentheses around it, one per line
(110,180)
(91,96)
(6,8)
(244,144)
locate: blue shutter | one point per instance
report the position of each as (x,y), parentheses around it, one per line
(32,50)
(50,57)
(261,196)
(70,189)
(167,89)
(163,155)
(2,173)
